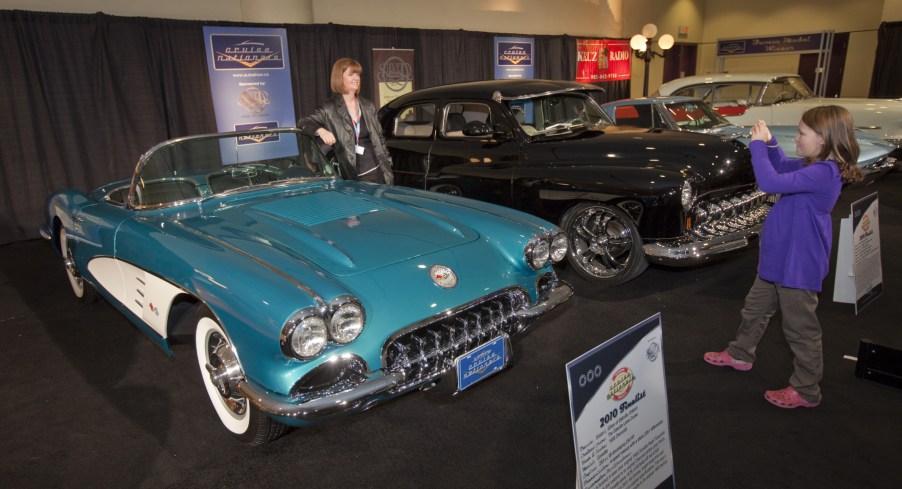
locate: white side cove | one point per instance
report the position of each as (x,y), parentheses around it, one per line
(149,297)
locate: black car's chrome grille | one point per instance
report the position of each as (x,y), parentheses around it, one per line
(427,350)
(729,214)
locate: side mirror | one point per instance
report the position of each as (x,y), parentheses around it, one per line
(483,130)
(477,129)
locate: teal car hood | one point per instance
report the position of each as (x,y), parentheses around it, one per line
(343,231)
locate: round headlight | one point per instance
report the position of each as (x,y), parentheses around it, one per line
(347,322)
(305,335)
(537,251)
(558,247)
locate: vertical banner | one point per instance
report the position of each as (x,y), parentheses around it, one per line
(249,77)
(618,406)
(514,58)
(601,60)
(393,75)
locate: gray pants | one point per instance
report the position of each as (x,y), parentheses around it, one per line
(800,326)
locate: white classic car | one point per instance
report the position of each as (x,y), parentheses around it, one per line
(780,99)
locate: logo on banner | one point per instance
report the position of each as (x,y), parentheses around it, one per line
(245,52)
(395,73)
(621,383)
(254,100)
(514,54)
(257,138)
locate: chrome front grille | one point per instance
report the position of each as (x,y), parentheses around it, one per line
(427,350)
(729,214)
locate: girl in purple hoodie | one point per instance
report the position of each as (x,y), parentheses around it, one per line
(795,245)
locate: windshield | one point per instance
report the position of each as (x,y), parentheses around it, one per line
(786,90)
(557,113)
(694,115)
(188,169)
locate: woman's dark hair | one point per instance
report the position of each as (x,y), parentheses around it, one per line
(835,125)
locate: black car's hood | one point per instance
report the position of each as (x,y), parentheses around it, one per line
(710,161)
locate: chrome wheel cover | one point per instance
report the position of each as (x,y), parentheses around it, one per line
(601,243)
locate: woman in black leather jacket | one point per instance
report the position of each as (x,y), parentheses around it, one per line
(349,124)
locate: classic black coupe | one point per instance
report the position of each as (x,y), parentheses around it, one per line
(626,196)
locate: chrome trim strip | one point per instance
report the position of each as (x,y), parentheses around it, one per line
(557,295)
(357,399)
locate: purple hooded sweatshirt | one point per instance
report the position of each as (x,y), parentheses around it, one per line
(798,232)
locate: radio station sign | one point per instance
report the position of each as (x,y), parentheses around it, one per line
(795,43)
(602,60)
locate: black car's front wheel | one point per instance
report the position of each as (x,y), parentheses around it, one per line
(220,371)
(604,243)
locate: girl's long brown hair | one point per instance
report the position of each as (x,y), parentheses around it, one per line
(835,125)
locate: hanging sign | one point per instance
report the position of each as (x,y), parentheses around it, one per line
(394,74)
(795,43)
(601,60)
(514,58)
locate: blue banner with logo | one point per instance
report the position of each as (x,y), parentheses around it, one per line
(795,43)
(514,58)
(251,84)
(249,77)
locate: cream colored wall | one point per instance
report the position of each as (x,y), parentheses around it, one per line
(668,16)
(734,18)
(892,10)
(590,18)
(707,21)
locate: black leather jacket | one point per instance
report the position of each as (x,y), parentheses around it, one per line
(333,115)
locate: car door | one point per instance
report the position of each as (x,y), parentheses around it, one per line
(431,148)
(475,166)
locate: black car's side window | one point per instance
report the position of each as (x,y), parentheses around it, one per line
(415,121)
(458,115)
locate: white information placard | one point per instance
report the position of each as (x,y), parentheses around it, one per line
(618,407)
(859,270)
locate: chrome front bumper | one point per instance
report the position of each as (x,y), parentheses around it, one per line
(374,389)
(691,251)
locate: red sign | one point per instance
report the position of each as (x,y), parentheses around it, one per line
(599,60)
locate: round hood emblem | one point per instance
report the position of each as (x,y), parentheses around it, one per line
(443,276)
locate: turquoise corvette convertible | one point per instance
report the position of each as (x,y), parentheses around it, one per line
(307,296)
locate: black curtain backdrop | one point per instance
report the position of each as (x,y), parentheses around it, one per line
(83,95)
(887,79)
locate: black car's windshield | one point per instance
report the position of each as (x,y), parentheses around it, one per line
(557,113)
(695,115)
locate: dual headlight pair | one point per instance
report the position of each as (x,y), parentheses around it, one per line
(544,248)
(307,332)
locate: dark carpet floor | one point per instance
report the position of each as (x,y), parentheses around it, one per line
(91,402)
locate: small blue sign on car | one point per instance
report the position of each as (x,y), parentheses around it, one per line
(481,362)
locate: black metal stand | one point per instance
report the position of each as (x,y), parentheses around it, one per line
(879,363)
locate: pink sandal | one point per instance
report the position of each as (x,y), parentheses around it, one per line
(788,398)
(723,359)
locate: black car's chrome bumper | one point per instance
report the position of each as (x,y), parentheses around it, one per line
(692,251)
(374,389)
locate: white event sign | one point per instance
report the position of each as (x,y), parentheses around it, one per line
(618,407)
(859,270)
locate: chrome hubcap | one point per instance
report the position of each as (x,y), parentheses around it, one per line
(601,242)
(225,372)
